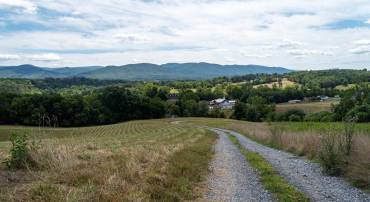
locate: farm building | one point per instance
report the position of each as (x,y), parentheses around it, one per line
(173,97)
(323,97)
(294,101)
(222,103)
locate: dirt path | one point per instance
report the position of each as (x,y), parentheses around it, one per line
(305,175)
(232,179)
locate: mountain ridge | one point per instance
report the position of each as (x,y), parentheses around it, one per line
(140,71)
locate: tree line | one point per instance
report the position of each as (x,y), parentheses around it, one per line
(115,101)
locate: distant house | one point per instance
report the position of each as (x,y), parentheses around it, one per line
(173,97)
(222,103)
(294,101)
(323,97)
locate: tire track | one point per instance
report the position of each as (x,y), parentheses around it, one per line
(306,176)
(232,179)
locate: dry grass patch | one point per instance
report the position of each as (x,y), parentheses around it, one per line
(308,108)
(107,163)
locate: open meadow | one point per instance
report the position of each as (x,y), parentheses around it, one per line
(155,160)
(308,108)
(133,161)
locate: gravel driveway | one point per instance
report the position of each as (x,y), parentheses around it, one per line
(232,179)
(305,175)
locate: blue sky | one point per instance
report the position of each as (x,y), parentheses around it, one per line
(298,34)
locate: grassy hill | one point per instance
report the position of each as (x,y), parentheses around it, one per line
(153,160)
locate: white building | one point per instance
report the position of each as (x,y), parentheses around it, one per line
(222,103)
(294,101)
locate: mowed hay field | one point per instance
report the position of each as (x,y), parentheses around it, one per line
(308,108)
(285,83)
(153,160)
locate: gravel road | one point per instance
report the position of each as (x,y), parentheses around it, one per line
(232,179)
(305,175)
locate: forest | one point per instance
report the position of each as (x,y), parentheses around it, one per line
(71,102)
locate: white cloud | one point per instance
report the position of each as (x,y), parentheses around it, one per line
(368,21)
(48,57)
(25,5)
(161,31)
(75,22)
(286,43)
(361,50)
(254,55)
(362,42)
(9,57)
(306,52)
(130,38)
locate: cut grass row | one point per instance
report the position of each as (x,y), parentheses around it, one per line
(131,161)
(270,179)
(186,168)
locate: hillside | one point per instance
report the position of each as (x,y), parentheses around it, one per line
(285,83)
(73,71)
(27,71)
(177,71)
(142,71)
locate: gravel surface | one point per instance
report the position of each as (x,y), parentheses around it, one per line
(305,175)
(232,179)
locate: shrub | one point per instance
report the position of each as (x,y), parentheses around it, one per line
(20,152)
(361,113)
(349,129)
(320,117)
(331,154)
(297,114)
(216,113)
(295,118)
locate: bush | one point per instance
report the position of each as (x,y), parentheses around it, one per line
(290,115)
(216,113)
(331,154)
(20,152)
(320,117)
(349,130)
(297,114)
(295,118)
(361,113)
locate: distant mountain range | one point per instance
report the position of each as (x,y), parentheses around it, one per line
(142,71)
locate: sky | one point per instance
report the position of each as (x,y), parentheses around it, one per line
(298,34)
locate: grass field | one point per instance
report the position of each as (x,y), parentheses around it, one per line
(317,127)
(285,84)
(153,160)
(308,108)
(348,86)
(133,161)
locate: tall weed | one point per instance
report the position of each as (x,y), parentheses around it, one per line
(331,154)
(276,136)
(20,152)
(349,130)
